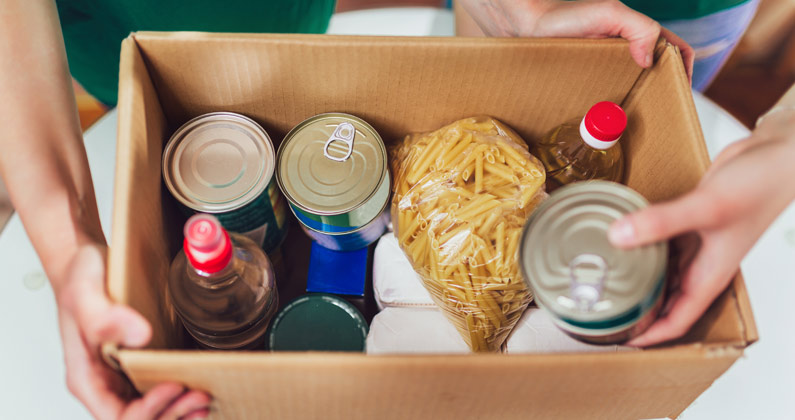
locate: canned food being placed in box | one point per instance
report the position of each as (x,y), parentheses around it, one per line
(594,291)
(332,168)
(223,163)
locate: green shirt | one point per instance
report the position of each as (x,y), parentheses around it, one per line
(93,29)
(680,9)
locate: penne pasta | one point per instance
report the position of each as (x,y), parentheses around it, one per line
(489,312)
(508,150)
(492,304)
(418,250)
(428,157)
(485,228)
(477,207)
(463,192)
(501,171)
(443,157)
(484,127)
(412,226)
(499,243)
(478,174)
(461,196)
(531,191)
(477,151)
(462,145)
(510,251)
(469,171)
(455,160)
(504,287)
(467,284)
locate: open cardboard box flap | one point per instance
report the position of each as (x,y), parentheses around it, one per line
(400,86)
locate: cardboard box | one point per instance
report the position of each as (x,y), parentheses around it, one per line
(404,85)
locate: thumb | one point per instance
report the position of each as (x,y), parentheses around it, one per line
(599,19)
(642,33)
(97,317)
(660,222)
(121,325)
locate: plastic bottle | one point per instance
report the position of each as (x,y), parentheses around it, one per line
(222,287)
(586,148)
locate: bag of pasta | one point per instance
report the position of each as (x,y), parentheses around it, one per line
(462,195)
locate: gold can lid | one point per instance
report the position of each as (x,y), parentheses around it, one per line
(218,162)
(331,164)
(573,269)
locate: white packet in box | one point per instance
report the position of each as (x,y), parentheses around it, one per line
(395,283)
(536,333)
(413,331)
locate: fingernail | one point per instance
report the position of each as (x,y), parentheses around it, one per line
(648,60)
(634,343)
(201,413)
(621,232)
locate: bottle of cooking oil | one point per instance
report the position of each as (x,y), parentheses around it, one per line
(222,287)
(584,148)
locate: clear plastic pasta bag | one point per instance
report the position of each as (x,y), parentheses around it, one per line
(462,196)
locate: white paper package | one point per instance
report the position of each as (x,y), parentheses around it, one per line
(536,333)
(413,331)
(395,283)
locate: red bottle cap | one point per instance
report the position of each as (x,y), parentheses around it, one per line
(207,244)
(605,121)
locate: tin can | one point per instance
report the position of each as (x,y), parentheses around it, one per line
(223,163)
(594,291)
(318,322)
(332,168)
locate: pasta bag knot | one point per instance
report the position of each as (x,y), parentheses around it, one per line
(462,195)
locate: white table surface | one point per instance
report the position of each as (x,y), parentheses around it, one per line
(761,385)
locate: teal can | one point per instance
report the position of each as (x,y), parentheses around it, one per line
(223,163)
(318,322)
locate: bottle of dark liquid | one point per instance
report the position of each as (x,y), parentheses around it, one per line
(222,287)
(586,148)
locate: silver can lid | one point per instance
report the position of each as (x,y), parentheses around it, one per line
(331,164)
(218,162)
(571,266)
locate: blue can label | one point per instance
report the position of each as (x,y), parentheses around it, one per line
(354,240)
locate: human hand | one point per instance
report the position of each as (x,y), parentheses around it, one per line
(746,188)
(88,318)
(576,19)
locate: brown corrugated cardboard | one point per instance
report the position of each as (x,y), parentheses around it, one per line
(403,85)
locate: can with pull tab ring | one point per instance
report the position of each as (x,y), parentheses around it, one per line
(332,168)
(594,291)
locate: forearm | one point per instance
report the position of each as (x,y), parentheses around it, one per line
(788,99)
(778,123)
(775,131)
(42,157)
(496,18)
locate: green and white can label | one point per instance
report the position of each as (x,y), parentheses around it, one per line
(223,163)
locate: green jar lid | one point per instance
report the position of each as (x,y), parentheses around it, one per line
(318,322)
